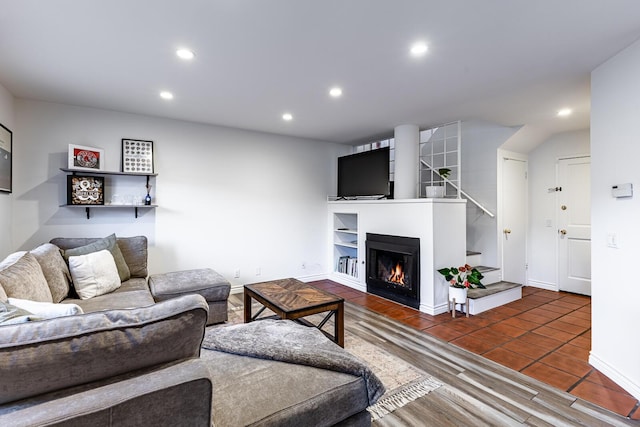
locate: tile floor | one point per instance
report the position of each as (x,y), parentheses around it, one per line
(545,335)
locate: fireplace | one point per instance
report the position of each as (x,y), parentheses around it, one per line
(393,268)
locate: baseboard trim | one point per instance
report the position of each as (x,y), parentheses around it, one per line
(434,311)
(542,285)
(614,375)
(312,277)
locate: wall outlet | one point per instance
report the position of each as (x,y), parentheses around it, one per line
(258,271)
(304,265)
(237,273)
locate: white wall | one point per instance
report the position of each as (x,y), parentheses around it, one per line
(229,199)
(615,105)
(480,141)
(7,119)
(543,206)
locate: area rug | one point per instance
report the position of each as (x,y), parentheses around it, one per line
(404,382)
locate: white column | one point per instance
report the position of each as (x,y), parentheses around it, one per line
(407,143)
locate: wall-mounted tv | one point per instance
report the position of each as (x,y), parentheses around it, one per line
(364,174)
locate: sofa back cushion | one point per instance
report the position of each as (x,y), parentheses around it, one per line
(39,357)
(133,249)
(24,279)
(55,270)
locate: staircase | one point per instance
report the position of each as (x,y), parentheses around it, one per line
(497,292)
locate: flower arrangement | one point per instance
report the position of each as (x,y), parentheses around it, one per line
(462,277)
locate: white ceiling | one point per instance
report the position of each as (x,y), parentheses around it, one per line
(512,62)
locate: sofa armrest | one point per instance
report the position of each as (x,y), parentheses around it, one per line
(40,357)
(178,394)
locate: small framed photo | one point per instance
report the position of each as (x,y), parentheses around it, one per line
(137,156)
(86,158)
(6,140)
(85,190)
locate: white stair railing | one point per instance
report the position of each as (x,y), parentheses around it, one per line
(468,197)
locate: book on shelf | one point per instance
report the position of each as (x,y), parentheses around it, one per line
(347,265)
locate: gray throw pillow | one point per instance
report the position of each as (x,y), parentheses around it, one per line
(109,243)
(55,270)
(24,279)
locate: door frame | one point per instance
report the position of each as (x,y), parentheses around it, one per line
(502,154)
(557,213)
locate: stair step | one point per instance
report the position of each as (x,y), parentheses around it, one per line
(491,289)
(493,296)
(484,269)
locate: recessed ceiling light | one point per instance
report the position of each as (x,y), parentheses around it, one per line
(335,92)
(166,95)
(287,116)
(185,54)
(564,112)
(419,49)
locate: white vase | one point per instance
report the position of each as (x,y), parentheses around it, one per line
(458,296)
(434,191)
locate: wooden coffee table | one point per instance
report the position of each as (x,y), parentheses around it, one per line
(293,299)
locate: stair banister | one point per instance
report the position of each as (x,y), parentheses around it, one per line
(471,199)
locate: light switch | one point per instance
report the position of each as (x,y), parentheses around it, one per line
(612,240)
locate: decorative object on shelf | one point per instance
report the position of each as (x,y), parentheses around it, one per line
(85,158)
(137,156)
(6,160)
(147,198)
(437,191)
(85,190)
(462,277)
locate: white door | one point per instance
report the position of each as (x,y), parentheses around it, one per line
(574,225)
(514,220)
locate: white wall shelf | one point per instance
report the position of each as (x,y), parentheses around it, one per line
(88,208)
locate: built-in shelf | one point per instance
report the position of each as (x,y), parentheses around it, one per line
(345,244)
(109,206)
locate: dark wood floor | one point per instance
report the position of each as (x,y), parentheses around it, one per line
(546,335)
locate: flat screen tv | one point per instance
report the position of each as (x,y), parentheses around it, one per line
(364,174)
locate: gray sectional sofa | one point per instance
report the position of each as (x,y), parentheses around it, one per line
(132,361)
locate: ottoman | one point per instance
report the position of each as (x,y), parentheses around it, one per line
(206,282)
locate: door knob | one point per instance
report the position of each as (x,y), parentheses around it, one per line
(507,231)
(563,232)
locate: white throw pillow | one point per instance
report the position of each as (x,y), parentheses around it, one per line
(94,274)
(46,310)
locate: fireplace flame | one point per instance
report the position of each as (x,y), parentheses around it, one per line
(397,275)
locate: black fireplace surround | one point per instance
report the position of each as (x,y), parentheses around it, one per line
(393,268)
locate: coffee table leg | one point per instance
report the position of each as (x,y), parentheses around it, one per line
(339,323)
(247,307)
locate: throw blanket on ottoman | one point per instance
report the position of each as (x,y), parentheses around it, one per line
(287,341)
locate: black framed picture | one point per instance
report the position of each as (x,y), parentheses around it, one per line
(6,160)
(137,156)
(85,190)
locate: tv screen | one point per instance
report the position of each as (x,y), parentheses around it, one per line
(364,174)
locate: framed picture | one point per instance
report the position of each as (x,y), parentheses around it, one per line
(86,158)
(6,139)
(85,190)
(137,156)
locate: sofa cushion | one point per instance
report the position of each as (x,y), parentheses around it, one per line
(55,270)
(131,294)
(133,249)
(46,310)
(24,279)
(10,314)
(38,357)
(278,396)
(94,274)
(108,243)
